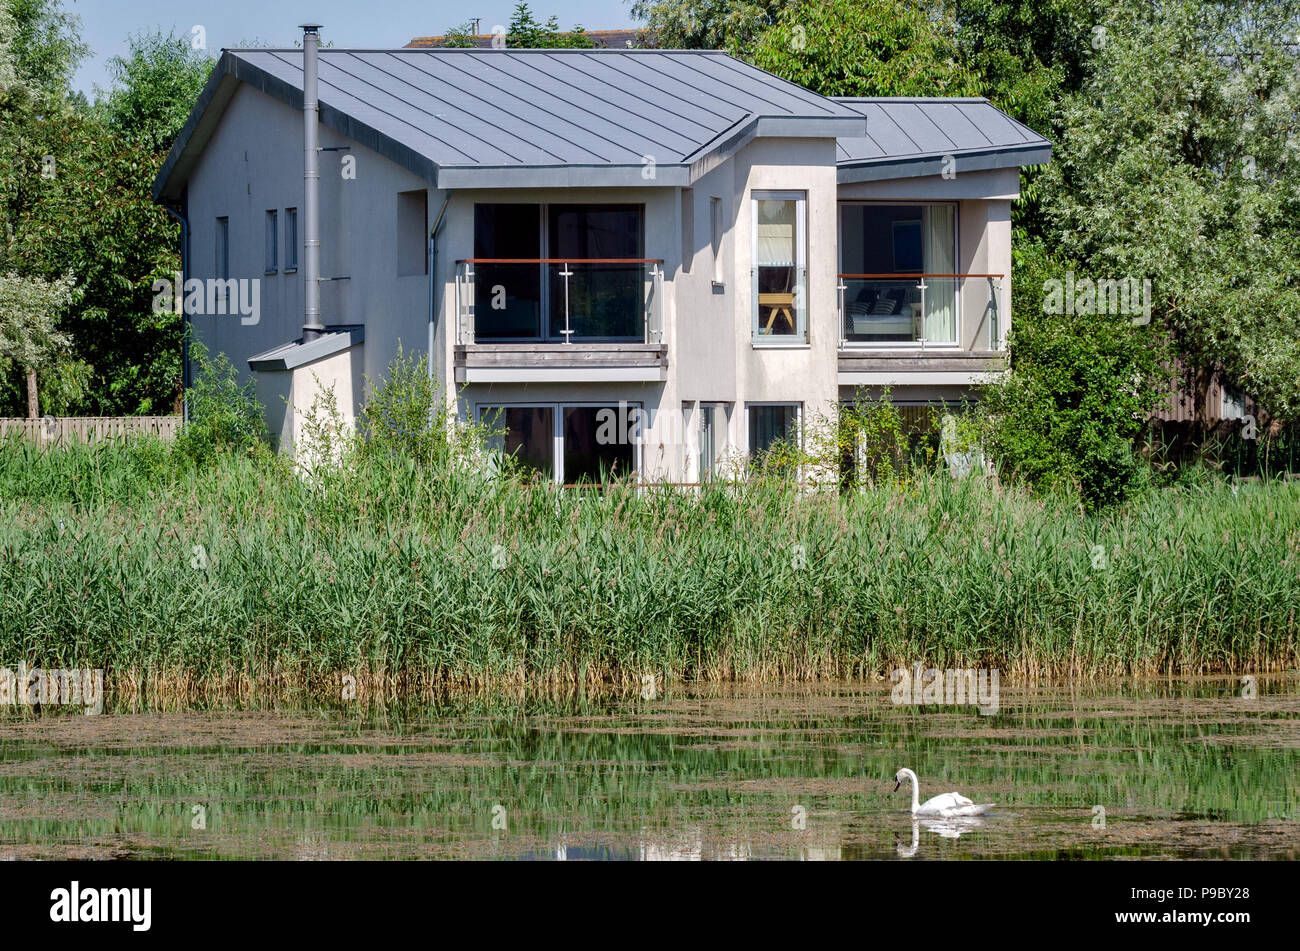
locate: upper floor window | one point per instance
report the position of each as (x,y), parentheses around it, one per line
(222,263)
(272,242)
(716,226)
(560,272)
(897,266)
(780,267)
(291,239)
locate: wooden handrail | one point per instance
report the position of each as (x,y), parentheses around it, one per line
(900,277)
(560,261)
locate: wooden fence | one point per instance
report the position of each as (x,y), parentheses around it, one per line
(62,430)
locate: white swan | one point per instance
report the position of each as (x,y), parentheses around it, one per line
(950,805)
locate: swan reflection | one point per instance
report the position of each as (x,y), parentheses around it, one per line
(948,828)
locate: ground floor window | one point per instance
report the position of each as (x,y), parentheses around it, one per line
(572,444)
(773,433)
(710,451)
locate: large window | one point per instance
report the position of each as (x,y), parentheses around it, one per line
(897,262)
(588,291)
(780,267)
(568,443)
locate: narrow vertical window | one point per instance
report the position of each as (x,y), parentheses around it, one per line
(272,242)
(779,267)
(222,263)
(715,237)
(291,239)
(713,439)
(688,229)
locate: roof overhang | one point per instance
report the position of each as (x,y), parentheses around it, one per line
(920,166)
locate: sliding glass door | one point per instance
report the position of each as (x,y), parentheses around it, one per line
(568,443)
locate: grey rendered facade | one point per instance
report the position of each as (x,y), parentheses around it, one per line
(569,233)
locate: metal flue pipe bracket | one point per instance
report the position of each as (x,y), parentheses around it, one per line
(312,327)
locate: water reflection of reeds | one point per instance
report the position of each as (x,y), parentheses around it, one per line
(685,777)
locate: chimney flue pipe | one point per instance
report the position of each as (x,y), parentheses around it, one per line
(311,325)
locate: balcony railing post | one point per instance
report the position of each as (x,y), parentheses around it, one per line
(465,302)
(921,286)
(844,318)
(568,330)
(995,318)
(654,329)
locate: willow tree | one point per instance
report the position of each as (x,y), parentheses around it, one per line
(1180,162)
(29,334)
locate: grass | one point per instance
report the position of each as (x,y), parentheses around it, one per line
(240,576)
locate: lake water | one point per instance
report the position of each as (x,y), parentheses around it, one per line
(1168,769)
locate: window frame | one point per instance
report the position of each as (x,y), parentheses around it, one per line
(800,338)
(707,473)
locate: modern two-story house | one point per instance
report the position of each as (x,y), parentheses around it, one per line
(677,241)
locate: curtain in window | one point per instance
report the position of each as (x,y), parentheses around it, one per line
(940,293)
(776,233)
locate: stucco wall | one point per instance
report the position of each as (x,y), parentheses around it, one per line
(254,163)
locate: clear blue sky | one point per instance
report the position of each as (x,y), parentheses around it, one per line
(106,24)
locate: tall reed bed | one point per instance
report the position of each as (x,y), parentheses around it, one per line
(241,573)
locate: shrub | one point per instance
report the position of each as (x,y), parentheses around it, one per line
(1080,390)
(224,415)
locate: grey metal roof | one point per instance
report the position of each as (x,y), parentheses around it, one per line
(515,117)
(913,136)
(295,353)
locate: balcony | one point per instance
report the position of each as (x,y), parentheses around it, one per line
(535,320)
(936,329)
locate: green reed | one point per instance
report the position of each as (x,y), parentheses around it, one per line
(243,574)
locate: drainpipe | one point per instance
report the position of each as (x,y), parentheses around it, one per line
(185,319)
(311,324)
(433,283)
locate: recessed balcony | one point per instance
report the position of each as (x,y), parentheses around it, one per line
(536,320)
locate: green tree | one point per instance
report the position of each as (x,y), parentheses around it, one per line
(1082,386)
(1179,163)
(154,87)
(526,32)
(75,198)
(863,48)
(706,24)
(29,335)
(460,36)
(43,44)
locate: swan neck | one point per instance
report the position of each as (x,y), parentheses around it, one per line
(916,793)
